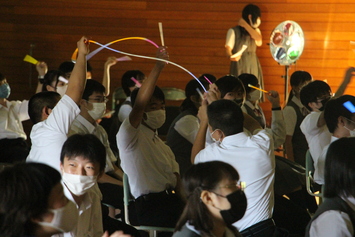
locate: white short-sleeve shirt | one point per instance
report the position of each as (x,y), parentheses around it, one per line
(11,118)
(188,127)
(317,138)
(49,135)
(253,158)
(124,110)
(82,126)
(230,39)
(149,163)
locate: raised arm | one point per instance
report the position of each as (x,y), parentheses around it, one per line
(77,79)
(347,78)
(146,91)
(106,79)
(42,69)
(200,140)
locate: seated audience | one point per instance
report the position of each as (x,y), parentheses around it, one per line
(149,164)
(252,156)
(294,112)
(336,215)
(341,123)
(215,201)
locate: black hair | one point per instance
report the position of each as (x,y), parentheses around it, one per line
(247,78)
(40,100)
(199,177)
(340,168)
(24,192)
(313,90)
(298,78)
(51,78)
(127,82)
(91,87)
(191,90)
(225,115)
(229,83)
(252,10)
(157,93)
(87,146)
(66,67)
(88,67)
(335,108)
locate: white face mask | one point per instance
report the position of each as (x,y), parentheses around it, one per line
(61,90)
(155,119)
(255,95)
(64,219)
(352,132)
(78,184)
(97,111)
(214,139)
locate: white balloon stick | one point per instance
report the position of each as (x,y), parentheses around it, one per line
(161,33)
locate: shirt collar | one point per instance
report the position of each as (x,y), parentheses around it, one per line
(89,126)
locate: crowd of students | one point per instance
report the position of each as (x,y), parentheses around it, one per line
(220,144)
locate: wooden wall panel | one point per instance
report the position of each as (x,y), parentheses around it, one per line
(194,30)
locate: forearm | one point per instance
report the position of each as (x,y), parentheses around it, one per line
(254,33)
(200,141)
(77,79)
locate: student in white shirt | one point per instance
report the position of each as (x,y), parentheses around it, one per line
(252,156)
(314,97)
(53,115)
(341,123)
(13,145)
(148,162)
(336,215)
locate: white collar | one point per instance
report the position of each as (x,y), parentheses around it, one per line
(89,126)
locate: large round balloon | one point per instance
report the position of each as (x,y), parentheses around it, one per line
(286,42)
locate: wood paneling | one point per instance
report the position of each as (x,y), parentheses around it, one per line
(194,30)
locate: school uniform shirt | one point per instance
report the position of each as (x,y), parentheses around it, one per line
(254,111)
(317,138)
(125,109)
(49,135)
(83,126)
(149,163)
(253,158)
(90,215)
(334,222)
(11,118)
(319,163)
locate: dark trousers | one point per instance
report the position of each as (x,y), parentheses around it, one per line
(262,229)
(13,150)
(159,209)
(112,194)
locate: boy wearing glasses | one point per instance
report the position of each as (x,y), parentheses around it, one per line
(92,108)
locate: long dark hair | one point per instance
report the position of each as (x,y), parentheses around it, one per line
(24,193)
(252,10)
(203,176)
(190,90)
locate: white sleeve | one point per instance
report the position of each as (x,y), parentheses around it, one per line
(124,112)
(188,127)
(278,128)
(309,124)
(290,118)
(21,108)
(127,136)
(332,223)
(230,39)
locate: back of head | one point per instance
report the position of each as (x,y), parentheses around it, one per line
(252,10)
(51,79)
(340,168)
(225,115)
(157,93)
(66,67)
(335,108)
(229,83)
(191,91)
(40,100)
(203,176)
(24,194)
(127,82)
(2,77)
(87,146)
(210,77)
(246,79)
(91,87)
(300,77)
(312,91)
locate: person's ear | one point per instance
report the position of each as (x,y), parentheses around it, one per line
(250,19)
(49,88)
(206,198)
(341,121)
(195,98)
(61,166)
(46,112)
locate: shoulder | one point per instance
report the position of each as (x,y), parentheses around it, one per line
(185,232)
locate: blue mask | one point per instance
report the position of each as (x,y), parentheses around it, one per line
(5,91)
